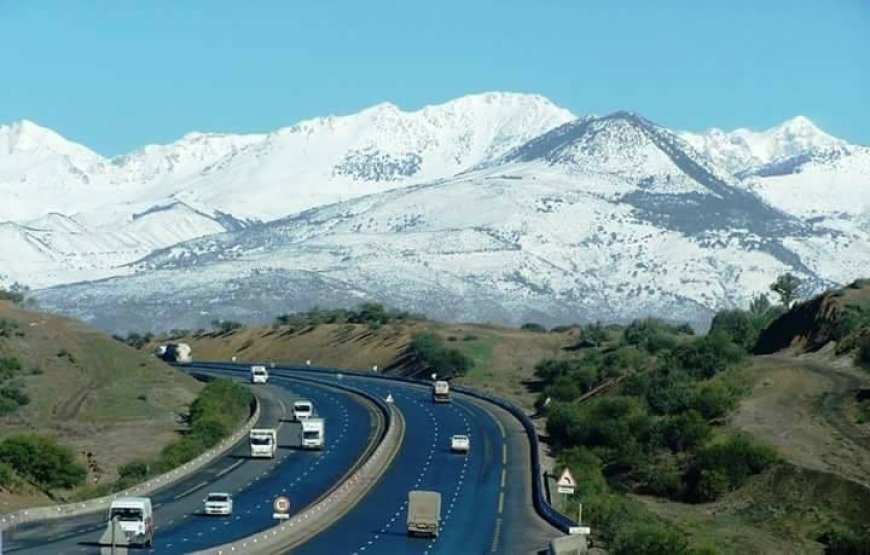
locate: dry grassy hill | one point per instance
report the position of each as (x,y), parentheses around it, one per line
(109,402)
(503,358)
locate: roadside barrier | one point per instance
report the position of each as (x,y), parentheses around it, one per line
(67,510)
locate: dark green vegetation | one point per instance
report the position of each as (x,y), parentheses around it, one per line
(226,326)
(12,394)
(214,415)
(428,350)
(373,314)
(40,461)
(17,293)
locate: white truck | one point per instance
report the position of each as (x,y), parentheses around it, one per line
(135,517)
(313,433)
(259,374)
(178,353)
(460,443)
(263,442)
(441,392)
(424,513)
(302,410)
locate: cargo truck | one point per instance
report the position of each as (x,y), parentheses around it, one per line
(263,442)
(312,433)
(424,513)
(441,392)
(178,353)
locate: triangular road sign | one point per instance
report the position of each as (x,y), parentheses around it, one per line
(566,480)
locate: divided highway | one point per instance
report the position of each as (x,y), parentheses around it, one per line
(301,475)
(486,494)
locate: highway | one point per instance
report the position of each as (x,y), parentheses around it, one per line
(486,494)
(301,475)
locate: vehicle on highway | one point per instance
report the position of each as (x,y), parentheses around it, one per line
(312,433)
(460,443)
(424,513)
(302,410)
(136,518)
(218,504)
(178,353)
(259,374)
(263,442)
(441,392)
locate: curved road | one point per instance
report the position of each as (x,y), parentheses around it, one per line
(486,495)
(302,475)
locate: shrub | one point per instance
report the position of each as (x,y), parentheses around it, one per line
(685,431)
(8,327)
(706,357)
(649,539)
(7,476)
(583,462)
(862,355)
(428,349)
(738,326)
(533,326)
(726,466)
(42,460)
(714,399)
(670,392)
(225,326)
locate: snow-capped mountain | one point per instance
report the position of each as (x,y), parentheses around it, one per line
(498,206)
(742,149)
(222,181)
(604,218)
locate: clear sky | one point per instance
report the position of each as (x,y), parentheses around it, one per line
(116,75)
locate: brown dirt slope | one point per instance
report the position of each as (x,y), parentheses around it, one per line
(839,315)
(108,401)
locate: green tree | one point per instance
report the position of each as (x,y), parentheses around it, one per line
(787,286)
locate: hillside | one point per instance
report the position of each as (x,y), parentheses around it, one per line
(107,401)
(503,358)
(841,316)
(767,433)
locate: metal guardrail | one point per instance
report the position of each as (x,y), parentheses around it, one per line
(544,509)
(302,526)
(67,510)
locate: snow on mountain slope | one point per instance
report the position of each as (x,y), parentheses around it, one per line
(604,218)
(232,180)
(742,149)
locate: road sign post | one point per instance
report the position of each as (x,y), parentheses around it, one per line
(566,483)
(281,508)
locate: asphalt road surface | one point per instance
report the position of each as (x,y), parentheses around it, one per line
(303,476)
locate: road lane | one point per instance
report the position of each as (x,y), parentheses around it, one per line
(302,475)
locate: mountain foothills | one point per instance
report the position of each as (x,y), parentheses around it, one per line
(494,207)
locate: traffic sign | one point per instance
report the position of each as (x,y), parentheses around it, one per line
(281,506)
(566,483)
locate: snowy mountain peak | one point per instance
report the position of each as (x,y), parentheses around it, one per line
(742,149)
(27,137)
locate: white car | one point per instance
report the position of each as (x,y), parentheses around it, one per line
(460,443)
(218,504)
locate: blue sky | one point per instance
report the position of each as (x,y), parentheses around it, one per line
(115,76)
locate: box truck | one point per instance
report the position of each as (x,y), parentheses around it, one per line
(424,513)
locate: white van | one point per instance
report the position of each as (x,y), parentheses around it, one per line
(259,374)
(302,410)
(312,433)
(135,517)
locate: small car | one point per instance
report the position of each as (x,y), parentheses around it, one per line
(460,443)
(218,504)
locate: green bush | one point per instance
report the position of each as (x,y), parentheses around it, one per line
(685,431)
(706,357)
(714,399)
(649,539)
(583,462)
(42,460)
(533,326)
(226,326)
(862,355)
(738,326)
(652,335)
(725,466)
(7,476)
(8,327)
(428,349)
